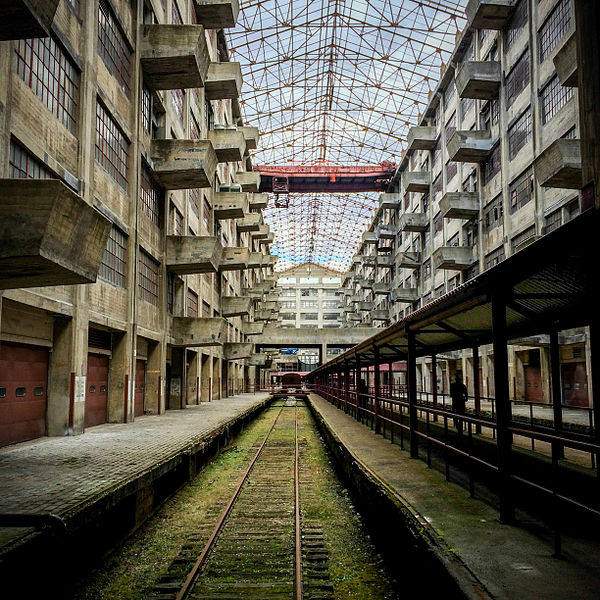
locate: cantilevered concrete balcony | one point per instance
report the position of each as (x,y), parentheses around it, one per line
(252,328)
(369,237)
(256,260)
(408,260)
(386,231)
(489,14)
(50,235)
(421,138)
(366,283)
(381,289)
(24,19)
(380,314)
(262,234)
(385,244)
(349,308)
(217,14)
(258,201)
(354,317)
(365,306)
(257,359)
(190,254)
(265,315)
(389,201)
(368,261)
(565,62)
(416,181)
(249,180)
(223,81)
(470,146)
(256,291)
(192,332)
(234,259)
(272,296)
(268,260)
(183,164)
(413,222)
(173,56)
(408,295)
(269,305)
(459,205)
(251,136)
(453,258)
(229,144)
(237,350)
(385,262)
(235,306)
(230,205)
(559,165)
(251,222)
(478,79)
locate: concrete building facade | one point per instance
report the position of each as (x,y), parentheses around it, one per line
(126,115)
(493,164)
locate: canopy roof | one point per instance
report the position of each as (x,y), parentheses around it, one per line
(336,83)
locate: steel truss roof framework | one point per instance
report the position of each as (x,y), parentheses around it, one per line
(336,83)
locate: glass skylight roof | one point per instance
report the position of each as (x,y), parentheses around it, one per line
(336,83)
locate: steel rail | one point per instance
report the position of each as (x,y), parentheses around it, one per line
(195,570)
(298,565)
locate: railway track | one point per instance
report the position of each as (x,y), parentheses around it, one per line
(258,546)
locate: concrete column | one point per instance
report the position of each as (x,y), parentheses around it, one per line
(119,388)
(434,383)
(177,395)
(155,377)
(411,372)
(377,387)
(476,386)
(556,392)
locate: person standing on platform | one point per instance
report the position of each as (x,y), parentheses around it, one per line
(458,393)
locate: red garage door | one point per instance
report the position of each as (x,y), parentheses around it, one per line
(23,392)
(96,393)
(140,388)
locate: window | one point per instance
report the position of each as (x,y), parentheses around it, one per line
(205,309)
(329,304)
(553,97)
(470,233)
(309,303)
(518,20)
(194,198)
(148,270)
(466,104)
(554,27)
(521,190)
(175,14)
(451,170)
(288,316)
(518,78)
(470,183)
(288,304)
(192,303)
(113,267)
(437,152)
(309,292)
(491,165)
(492,214)
(519,133)
(23,165)
(552,221)
(75,6)
(112,149)
(309,316)
(453,241)
(427,269)
(288,292)
(194,127)
(437,224)
(178,225)
(147,108)
(436,187)
(522,237)
(449,94)
(47,70)
(113,47)
(178,98)
(330,316)
(170,292)
(151,196)
(207,217)
(450,126)
(490,114)
(209,118)
(494,257)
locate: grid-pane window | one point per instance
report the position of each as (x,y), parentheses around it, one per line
(518,78)
(192,303)
(178,226)
(492,214)
(170,293)
(491,165)
(178,97)
(194,127)
(194,196)
(552,222)
(176,14)
(437,223)
(520,191)
(47,70)
(329,304)
(427,269)
(519,133)
(554,27)
(330,316)
(75,6)
(205,309)
(309,304)
(451,170)
(517,22)
(151,196)
(449,94)
(309,316)
(450,126)
(23,165)
(147,108)
(494,257)
(553,97)
(207,217)
(437,152)
(114,262)
(466,104)
(148,273)
(112,149)
(522,237)
(113,47)
(436,187)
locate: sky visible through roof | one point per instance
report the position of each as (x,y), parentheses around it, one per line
(336,83)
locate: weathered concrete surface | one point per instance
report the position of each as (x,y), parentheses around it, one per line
(421,138)
(486,557)
(453,258)
(234,259)
(230,205)
(229,144)
(249,180)
(309,335)
(198,331)
(469,146)
(223,81)
(188,254)
(217,14)
(235,306)
(22,19)
(559,165)
(478,79)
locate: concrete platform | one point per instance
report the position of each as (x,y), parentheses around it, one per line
(79,478)
(486,558)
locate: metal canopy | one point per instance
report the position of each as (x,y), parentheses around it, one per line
(336,83)
(547,286)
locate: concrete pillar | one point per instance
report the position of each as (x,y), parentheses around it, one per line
(119,387)
(155,376)
(411,372)
(177,395)
(476,385)
(216,378)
